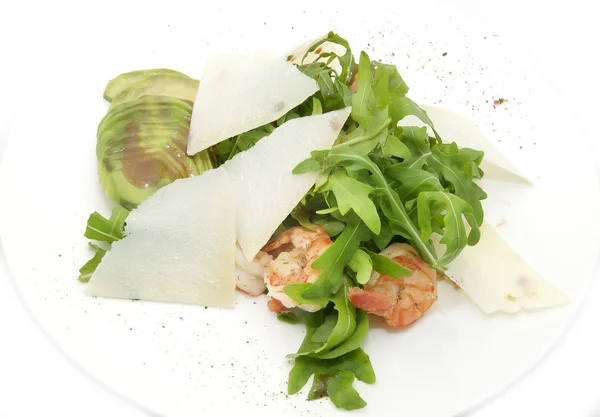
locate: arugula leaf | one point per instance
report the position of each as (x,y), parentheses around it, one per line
(288,116)
(317,107)
(413,181)
(364,101)
(295,291)
(450,166)
(355,363)
(339,389)
(396,86)
(333,260)
(353,194)
(381,87)
(323,332)
(107,230)
(297,315)
(388,267)
(393,208)
(385,236)
(367,111)
(345,324)
(308,165)
(342,393)
(361,264)
(454,234)
(449,162)
(88,269)
(346,61)
(104,230)
(332,227)
(417,141)
(394,146)
(331,90)
(367,136)
(301,214)
(402,106)
(227,149)
(354,341)
(314,163)
(337,327)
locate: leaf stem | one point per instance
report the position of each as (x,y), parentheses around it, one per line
(426,252)
(366,137)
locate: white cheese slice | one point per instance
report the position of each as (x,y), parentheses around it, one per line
(497,278)
(265,188)
(179,246)
(300,55)
(453,127)
(240,92)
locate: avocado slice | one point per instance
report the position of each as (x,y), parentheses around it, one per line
(119,188)
(159,107)
(112,145)
(119,83)
(183,88)
(142,146)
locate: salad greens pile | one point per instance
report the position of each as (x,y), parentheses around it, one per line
(380,183)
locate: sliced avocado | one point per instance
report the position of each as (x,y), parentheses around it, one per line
(120,190)
(183,88)
(143,121)
(142,146)
(160,107)
(175,136)
(119,83)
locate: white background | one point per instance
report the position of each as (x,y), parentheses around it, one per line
(36,379)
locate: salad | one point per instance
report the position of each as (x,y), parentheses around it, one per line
(364,221)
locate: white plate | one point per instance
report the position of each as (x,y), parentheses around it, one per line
(185,360)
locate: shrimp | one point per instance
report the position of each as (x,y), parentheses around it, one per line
(250,275)
(400,301)
(294,251)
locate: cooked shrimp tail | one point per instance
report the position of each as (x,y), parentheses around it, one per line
(294,251)
(400,301)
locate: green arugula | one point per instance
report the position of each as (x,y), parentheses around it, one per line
(333,377)
(388,267)
(104,230)
(362,265)
(380,183)
(88,269)
(356,195)
(336,328)
(333,260)
(449,163)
